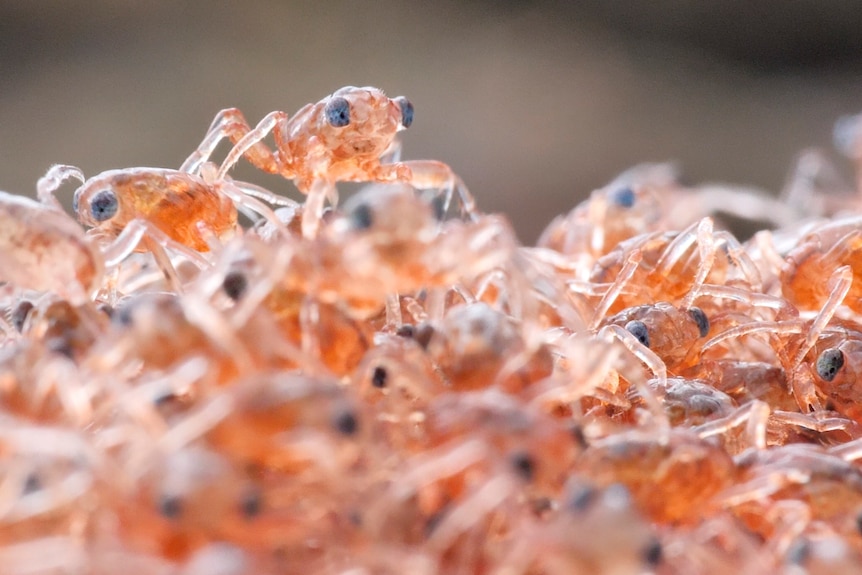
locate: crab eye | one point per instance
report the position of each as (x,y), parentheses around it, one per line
(524,465)
(361,217)
(582,498)
(345,422)
(234,285)
(799,552)
(700,319)
(652,553)
(406,111)
(104,205)
(622,197)
(829,362)
(337,112)
(251,504)
(32,483)
(379,377)
(639,330)
(170,506)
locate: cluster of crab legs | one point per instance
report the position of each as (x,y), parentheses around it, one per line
(377,387)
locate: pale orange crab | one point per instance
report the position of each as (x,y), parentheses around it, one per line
(349,136)
(152,209)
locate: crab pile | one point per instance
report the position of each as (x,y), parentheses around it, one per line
(397,385)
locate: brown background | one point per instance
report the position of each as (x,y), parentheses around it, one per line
(534,103)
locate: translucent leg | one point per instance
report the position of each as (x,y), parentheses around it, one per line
(616,288)
(813,422)
(706,249)
(312,211)
(743,202)
(790,518)
(157,241)
(274,267)
(788,327)
(131,236)
(779,306)
(229,123)
(430,174)
(164,263)
(804,389)
(52,180)
(737,253)
(676,249)
(241,199)
(195,424)
(392,155)
(393,311)
(309,320)
(840,284)
(654,363)
(219,331)
(850,451)
(754,415)
(264,194)
(251,145)
(415,309)
(9,332)
(470,511)
(495,279)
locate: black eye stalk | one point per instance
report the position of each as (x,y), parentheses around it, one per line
(639,330)
(361,217)
(623,197)
(338,112)
(235,285)
(829,363)
(104,205)
(346,423)
(171,506)
(700,319)
(379,377)
(251,504)
(524,465)
(406,111)
(652,553)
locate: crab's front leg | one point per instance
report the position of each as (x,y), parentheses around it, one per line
(312,211)
(319,189)
(157,242)
(398,172)
(52,180)
(230,123)
(431,174)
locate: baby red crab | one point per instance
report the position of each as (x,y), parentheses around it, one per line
(796,489)
(44,249)
(819,356)
(170,206)
(672,333)
(672,480)
(186,211)
(341,138)
(818,253)
(593,530)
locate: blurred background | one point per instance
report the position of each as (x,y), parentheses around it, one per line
(535,104)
